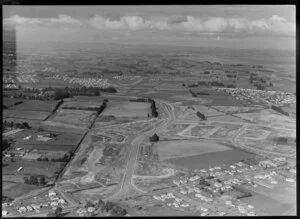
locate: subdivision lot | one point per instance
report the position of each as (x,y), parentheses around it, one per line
(269,117)
(175,149)
(25,114)
(236,109)
(225,118)
(127,109)
(74,117)
(199,131)
(37,105)
(207,111)
(226,131)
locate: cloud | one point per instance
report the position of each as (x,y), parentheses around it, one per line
(65,19)
(17,20)
(234,26)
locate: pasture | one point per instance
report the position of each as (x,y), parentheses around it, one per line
(74,117)
(224,157)
(176,149)
(36,105)
(127,109)
(25,114)
(82,105)
(45,168)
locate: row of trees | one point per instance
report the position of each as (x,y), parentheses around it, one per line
(65,158)
(37,181)
(153,108)
(17,125)
(103,106)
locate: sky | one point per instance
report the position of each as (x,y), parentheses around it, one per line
(234,26)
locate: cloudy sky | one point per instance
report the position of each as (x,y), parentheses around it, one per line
(240,26)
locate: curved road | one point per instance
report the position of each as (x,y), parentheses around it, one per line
(135,146)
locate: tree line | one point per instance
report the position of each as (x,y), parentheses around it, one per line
(17,125)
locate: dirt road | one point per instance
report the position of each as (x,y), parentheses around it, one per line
(135,147)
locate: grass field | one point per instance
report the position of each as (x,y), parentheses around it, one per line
(10,101)
(75,117)
(61,138)
(127,109)
(82,104)
(46,168)
(18,190)
(25,114)
(175,149)
(226,157)
(36,105)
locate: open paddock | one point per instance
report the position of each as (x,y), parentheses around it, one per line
(25,114)
(45,168)
(175,149)
(127,109)
(47,147)
(82,105)
(89,99)
(36,105)
(75,117)
(18,190)
(68,139)
(9,102)
(219,158)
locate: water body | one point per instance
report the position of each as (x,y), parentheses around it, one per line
(212,159)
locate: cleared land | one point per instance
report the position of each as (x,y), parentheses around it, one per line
(127,109)
(176,149)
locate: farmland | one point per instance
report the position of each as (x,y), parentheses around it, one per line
(81,118)
(23,114)
(177,163)
(127,109)
(36,105)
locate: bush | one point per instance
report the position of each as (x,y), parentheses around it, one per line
(61,94)
(154,138)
